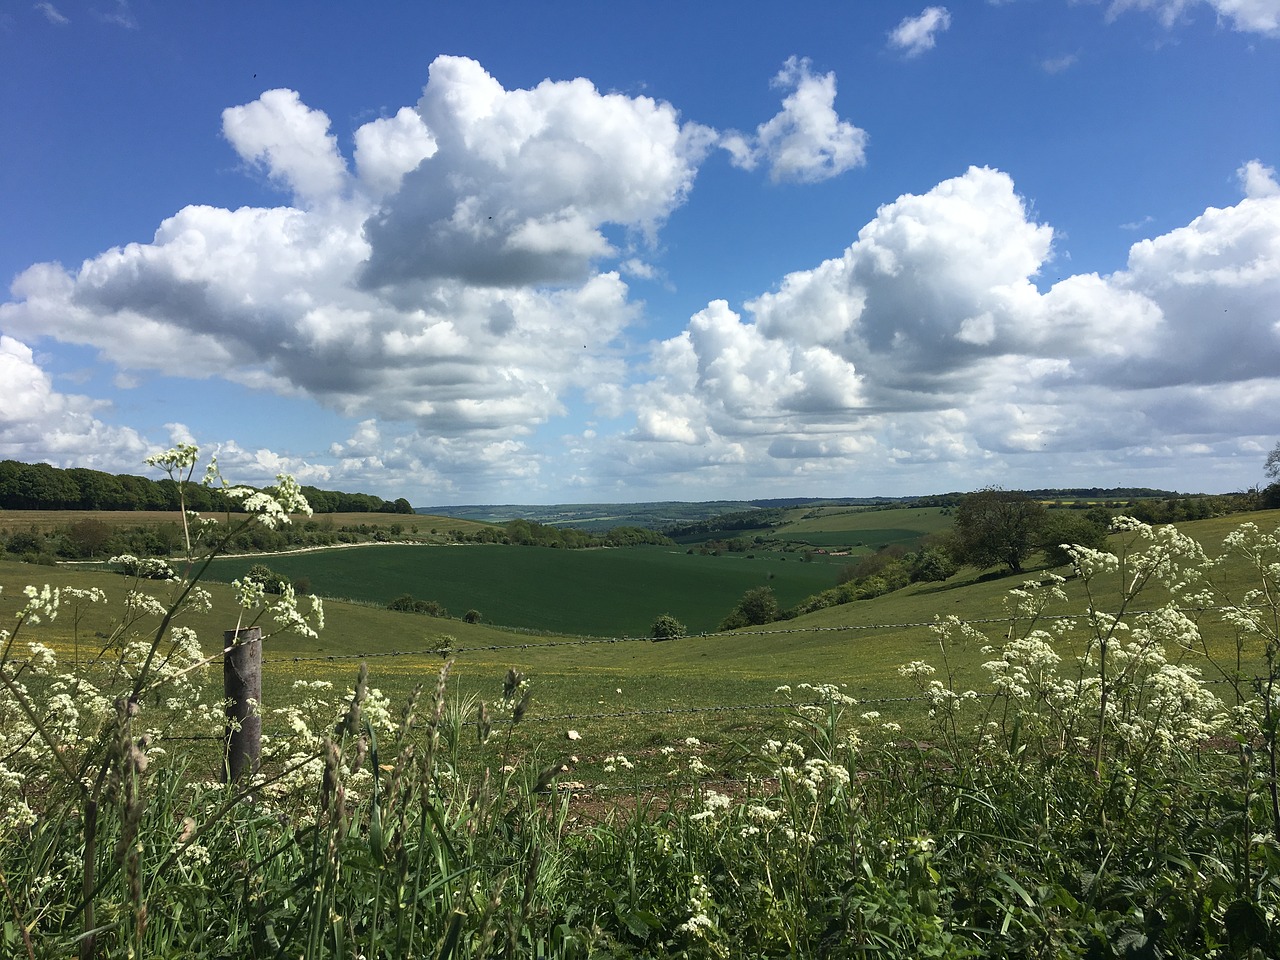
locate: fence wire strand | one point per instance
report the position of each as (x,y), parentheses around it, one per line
(450,650)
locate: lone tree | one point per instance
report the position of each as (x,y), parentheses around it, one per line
(1271,493)
(667,627)
(997,526)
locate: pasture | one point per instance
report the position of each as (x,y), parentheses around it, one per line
(634,695)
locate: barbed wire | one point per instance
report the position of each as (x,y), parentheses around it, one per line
(448,650)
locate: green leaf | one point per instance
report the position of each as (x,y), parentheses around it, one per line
(1246,925)
(641,923)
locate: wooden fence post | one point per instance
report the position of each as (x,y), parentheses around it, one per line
(242,688)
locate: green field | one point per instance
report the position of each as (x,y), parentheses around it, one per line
(1006,815)
(859,644)
(862,530)
(606,592)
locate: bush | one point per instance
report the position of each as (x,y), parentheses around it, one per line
(667,627)
(406,603)
(757,606)
(471,616)
(271,581)
(931,566)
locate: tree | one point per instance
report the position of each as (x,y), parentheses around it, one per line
(757,606)
(997,526)
(1063,527)
(89,536)
(667,627)
(271,581)
(1270,498)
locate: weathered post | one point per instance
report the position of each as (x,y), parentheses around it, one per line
(242,687)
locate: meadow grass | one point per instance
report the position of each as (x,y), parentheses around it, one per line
(858,645)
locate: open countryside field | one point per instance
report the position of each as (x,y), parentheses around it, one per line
(863,531)
(860,530)
(639,695)
(606,592)
(665,706)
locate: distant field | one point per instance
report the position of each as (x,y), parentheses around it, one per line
(862,530)
(44,520)
(599,592)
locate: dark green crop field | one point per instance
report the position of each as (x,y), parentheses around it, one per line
(614,592)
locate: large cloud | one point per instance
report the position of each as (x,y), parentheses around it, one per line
(38,422)
(522,182)
(929,340)
(357,296)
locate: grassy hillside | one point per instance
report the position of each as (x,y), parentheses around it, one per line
(615,692)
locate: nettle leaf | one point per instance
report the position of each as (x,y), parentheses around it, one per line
(1246,925)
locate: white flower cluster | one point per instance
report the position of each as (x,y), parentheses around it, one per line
(699,925)
(614,761)
(272,510)
(41,605)
(144,568)
(713,803)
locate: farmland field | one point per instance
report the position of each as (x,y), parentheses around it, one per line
(859,644)
(609,592)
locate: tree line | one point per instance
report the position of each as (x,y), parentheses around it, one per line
(39,486)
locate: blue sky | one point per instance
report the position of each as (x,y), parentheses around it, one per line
(513,252)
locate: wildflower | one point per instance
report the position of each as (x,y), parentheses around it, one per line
(695,924)
(42,660)
(41,604)
(180,457)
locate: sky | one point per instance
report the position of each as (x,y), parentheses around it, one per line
(608,252)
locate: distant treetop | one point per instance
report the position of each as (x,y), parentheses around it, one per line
(39,486)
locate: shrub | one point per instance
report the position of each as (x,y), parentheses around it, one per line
(667,627)
(406,603)
(271,581)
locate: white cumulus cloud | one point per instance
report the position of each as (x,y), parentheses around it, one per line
(1244,16)
(929,341)
(39,423)
(1258,180)
(914,35)
(289,139)
(522,182)
(806,141)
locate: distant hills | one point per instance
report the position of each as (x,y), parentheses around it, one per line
(662,514)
